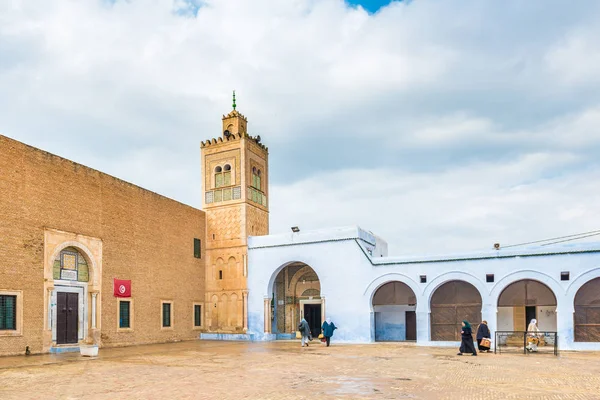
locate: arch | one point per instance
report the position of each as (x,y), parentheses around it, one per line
(587,312)
(452,276)
(222,313)
(84,251)
(451,303)
(231,267)
(524,274)
(294,290)
(579,281)
(394,307)
(214,312)
(233,311)
(383,279)
(523,300)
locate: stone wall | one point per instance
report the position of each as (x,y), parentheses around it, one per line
(146,238)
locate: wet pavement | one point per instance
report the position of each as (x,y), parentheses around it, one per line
(284,370)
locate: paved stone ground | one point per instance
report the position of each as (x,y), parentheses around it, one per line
(284,370)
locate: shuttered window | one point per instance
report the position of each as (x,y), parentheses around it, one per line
(197,248)
(8,312)
(124,314)
(197,315)
(166,315)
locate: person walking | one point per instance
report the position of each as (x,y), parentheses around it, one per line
(466,343)
(483,332)
(328,328)
(533,336)
(304,331)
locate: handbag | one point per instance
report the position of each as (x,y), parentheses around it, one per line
(485,342)
(321,336)
(298,335)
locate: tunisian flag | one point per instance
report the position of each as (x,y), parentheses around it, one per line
(122,288)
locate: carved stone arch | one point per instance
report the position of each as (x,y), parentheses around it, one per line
(233,311)
(232,267)
(84,251)
(223,312)
(214,312)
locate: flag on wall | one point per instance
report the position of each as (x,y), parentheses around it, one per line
(122,288)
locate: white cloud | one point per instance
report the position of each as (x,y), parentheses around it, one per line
(467,122)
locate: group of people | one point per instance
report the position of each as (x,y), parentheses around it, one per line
(327,331)
(483,338)
(466,343)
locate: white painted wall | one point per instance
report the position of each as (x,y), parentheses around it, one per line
(546,318)
(505,319)
(349,277)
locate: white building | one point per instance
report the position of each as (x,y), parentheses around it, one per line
(347,275)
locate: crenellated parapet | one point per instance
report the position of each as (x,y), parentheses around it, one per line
(233,137)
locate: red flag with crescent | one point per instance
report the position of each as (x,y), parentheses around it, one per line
(122,288)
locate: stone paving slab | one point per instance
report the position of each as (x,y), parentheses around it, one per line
(284,370)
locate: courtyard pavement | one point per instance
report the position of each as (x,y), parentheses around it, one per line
(284,370)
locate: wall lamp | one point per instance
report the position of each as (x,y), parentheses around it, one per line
(295,229)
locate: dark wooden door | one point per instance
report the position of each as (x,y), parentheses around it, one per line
(67,317)
(411,325)
(530,313)
(312,314)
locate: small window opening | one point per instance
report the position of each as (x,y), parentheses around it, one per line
(213,236)
(220,274)
(227,167)
(564,276)
(197,247)
(423,278)
(489,278)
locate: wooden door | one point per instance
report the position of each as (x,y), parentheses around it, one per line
(411,325)
(67,318)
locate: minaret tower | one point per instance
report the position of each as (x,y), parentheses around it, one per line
(235,198)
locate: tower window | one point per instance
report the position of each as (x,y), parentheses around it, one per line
(256,177)
(197,248)
(220,274)
(223,176)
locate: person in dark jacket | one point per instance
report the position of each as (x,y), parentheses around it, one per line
(328,328)
(483,332)
(466,343)
(304,331)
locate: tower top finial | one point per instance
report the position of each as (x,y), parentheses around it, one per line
(234,99)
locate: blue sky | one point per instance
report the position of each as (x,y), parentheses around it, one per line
(441,125)
(370,5)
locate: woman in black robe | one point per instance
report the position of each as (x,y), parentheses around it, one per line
(466,343)
(483,332)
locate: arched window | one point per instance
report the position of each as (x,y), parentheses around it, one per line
(223,176)
(256,174)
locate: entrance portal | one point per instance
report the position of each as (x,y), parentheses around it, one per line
(524,300)
(312,314)
(67,317)
(296,294)
(394,307)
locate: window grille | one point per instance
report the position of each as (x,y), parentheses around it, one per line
(8,312)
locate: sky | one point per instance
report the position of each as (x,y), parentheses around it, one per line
(442,126)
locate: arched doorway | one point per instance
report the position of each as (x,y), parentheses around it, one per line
(69,299)
(587,312)
(296,294)
(452,303)
(524,300)
(394,306)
